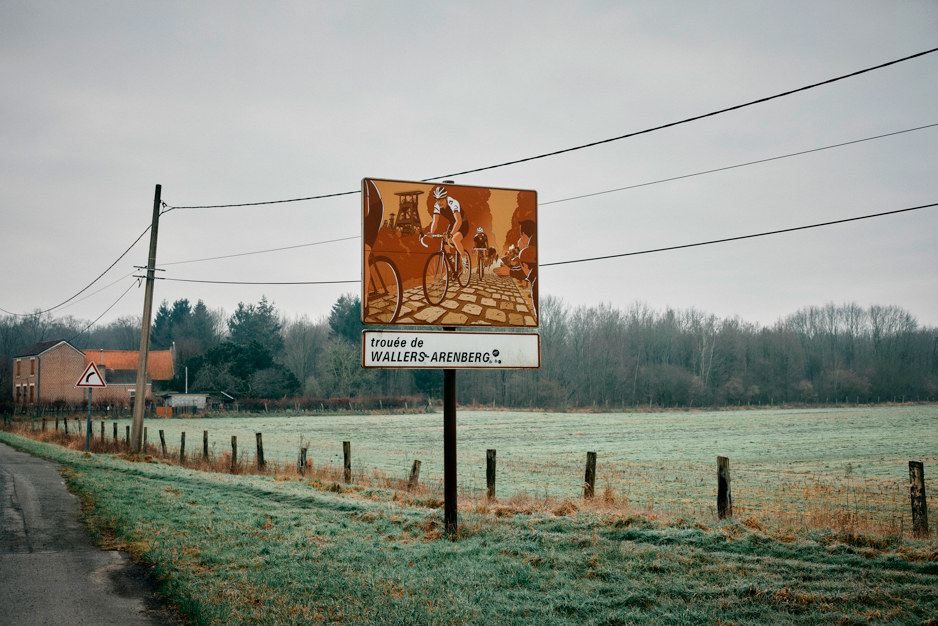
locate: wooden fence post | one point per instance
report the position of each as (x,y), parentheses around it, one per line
(182,447)
(919,504)
(347,463)
(260,451)
(724,496)
(56,423)
(43,424)
(127,436)
(414,475)
(302,464)
(589,482)
(234,454)
(163,441)
(65,423)
(115,431)
(490,474)
(205,445)
(102,432)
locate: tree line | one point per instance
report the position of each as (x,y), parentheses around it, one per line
(592,357)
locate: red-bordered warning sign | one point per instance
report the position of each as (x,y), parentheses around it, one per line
(91,377)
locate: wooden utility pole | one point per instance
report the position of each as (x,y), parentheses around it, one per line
(140,395)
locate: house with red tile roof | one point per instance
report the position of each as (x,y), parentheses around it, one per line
(48,371)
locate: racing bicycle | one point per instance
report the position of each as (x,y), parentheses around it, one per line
(442,265)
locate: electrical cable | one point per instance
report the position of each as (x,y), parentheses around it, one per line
(738,238)
(597,193)
(242,282)
(230,256)
(97,291)
(591,144)
(738,165)
(121,297)
(598,258)
(686,120)
(645,184)
(86,287)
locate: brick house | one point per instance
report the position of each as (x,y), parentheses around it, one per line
(47,372)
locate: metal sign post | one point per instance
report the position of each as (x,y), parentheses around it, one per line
(90,379)
(450,514)
(88,429)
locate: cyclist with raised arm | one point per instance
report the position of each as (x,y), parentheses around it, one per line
(448,214)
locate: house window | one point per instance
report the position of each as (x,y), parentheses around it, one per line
(32,367)
(19,363)
(32,388)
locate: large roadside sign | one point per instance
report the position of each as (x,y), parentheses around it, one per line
(438,254)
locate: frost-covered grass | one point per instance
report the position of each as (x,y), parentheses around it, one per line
(840,468)
(244,549)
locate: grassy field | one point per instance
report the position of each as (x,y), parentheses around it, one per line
(818,468)
(247,549)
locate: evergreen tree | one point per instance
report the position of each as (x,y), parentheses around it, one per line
(258,323)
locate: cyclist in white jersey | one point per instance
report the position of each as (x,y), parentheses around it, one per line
(448,209)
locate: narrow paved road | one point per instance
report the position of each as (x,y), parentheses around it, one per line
(50,570)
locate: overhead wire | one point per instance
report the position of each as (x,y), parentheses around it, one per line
(86,328)
(738,165)
(597,193)
(167,207)
(590,144)
(603,257)
(738,238)
(86,287)
(280,249)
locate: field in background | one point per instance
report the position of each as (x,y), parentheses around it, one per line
(814,467)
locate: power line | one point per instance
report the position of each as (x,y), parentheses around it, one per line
(243,204)
(86,287)
(597,193)
(586,145)
(230,256)
(242,282)
(588,195)
(121,297)
(738,165)
(599,258)
(739,238)
(686,120)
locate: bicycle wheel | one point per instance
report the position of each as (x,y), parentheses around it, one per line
(384,303)
(435,278)
(463,270)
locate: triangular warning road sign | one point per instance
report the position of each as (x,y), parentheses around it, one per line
(91,378)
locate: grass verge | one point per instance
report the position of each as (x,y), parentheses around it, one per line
(266,549)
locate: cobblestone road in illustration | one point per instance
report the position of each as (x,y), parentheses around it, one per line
(491,301)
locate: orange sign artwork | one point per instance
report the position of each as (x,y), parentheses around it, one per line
(437,254)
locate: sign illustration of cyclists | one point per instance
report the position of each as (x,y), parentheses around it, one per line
(480,243)
(524,265)
(448,217)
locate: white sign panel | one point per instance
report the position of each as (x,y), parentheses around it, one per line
(91,377)
(450,350)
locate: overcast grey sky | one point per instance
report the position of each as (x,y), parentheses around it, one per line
(231,102)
